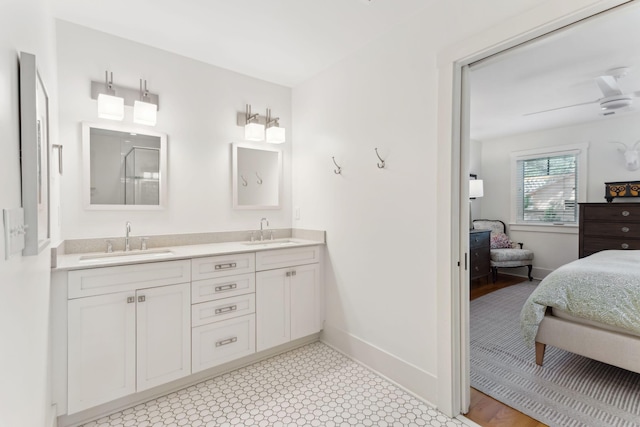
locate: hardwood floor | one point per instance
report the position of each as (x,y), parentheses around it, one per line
(485,410)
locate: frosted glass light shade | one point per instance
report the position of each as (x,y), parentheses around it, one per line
(145,113)
(254,132)
(110,107)
(275,135)
(476,188)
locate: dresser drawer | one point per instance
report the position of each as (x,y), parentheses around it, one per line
(222,287)
(596,244)
(222,309)
(279,258)
(611,212)
(221,342)
(612,229)
(224,265)
(479,239)
(108,280)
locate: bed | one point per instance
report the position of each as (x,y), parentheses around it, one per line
(590,307)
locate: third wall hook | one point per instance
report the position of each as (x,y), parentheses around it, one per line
(380,165)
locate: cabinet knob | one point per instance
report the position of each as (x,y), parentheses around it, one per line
(624,246)
(141,298)
(625,213)
(625,229)
(131,300)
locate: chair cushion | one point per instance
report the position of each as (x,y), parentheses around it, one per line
(500,241)
(503,255)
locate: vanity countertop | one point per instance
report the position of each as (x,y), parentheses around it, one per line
(79,261)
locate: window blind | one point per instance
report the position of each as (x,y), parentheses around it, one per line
(547,188)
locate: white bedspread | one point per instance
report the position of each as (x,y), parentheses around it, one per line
(603,287)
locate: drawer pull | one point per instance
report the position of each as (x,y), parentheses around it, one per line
(225,266)
(141,298)
(227,341)
(131,300)
(226,287)
(625,213)
(625,229)
(226,309)
(288,274)
(624,246)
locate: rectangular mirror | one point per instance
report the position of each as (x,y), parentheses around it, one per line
(124,167)
(257,176)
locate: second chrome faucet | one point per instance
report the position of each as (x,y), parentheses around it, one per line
(127,246)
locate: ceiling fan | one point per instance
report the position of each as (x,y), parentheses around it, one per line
(613,99)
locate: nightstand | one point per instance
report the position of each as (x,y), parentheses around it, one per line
(479,253)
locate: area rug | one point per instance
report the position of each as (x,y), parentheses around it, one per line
(569,390)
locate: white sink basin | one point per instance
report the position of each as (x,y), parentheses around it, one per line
(126,256)
(272,243)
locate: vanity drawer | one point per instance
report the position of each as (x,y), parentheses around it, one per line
(222,309)
(109,280)
(279,258)
(224,265)
(222,287)
(222,342)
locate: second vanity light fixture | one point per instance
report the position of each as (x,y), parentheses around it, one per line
(112,99)
(259,128)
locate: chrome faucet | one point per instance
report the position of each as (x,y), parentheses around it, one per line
(263,220)
(127,247)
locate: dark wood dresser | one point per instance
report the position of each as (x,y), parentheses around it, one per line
(479,253)
(608,226)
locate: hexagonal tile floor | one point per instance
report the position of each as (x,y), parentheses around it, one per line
(313,385)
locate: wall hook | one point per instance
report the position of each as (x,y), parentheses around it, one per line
(244,181)
(380,165)
(259,179)
(336,171)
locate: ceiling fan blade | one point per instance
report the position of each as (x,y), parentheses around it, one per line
(608,85)
(561,108)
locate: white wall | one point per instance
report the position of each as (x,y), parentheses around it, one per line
(605,164)
(381,281)
(25,389)
(198,106)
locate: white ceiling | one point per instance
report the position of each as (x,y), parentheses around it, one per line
(281,41)
(555,71)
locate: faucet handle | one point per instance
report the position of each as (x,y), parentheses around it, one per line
(252,236)
(143,243)
(109,243)
(270,234)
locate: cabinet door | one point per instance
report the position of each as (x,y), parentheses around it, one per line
(164,334)
(272,308)
(305,301)
(102,349)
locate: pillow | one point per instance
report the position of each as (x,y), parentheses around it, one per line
(500,241)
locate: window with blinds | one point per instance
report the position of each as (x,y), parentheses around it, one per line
(547,188)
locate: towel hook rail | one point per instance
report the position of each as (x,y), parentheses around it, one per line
(244,181)
(259,179)
(339,170)
(380,165)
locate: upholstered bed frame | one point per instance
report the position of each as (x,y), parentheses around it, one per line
(615,348)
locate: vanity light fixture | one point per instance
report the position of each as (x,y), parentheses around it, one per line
(253,129)
(112,100)
(144,112)
(110,106)
(274,133)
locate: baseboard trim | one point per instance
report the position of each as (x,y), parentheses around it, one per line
(53,416)
(407,376)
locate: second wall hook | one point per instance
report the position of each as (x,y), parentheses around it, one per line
(336,171)
(380,165)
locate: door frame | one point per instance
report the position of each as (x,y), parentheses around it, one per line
(453,170)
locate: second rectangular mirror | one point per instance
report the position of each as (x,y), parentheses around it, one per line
(257,177)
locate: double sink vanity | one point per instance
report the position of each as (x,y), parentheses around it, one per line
(131,325)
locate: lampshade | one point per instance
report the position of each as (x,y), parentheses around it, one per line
(275,135)
(254,131)
(110,107)
(476,188)
(145,113)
